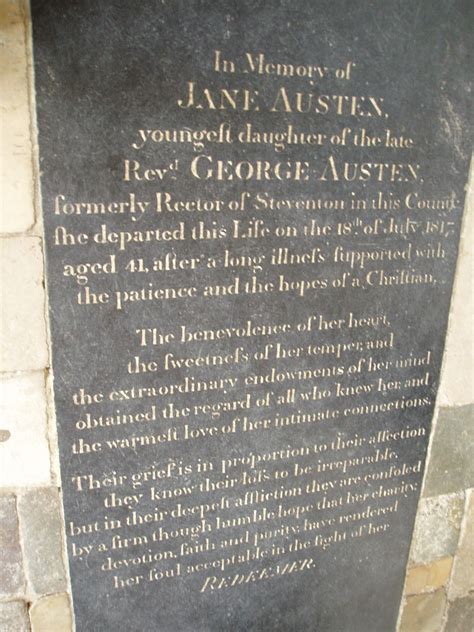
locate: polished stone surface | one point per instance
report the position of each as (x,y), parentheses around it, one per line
(252,212)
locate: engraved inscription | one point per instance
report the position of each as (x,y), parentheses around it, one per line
(251,240)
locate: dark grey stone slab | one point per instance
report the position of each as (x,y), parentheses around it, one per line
(12,579)
(452,452)
(252,212)
(460,615)
(41,528)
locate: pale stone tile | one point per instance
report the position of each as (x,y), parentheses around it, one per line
(41,533)
(437,528)
(460,615)
(462,580)
(53,432)
(451,463)
(428,578)
(14,617)
(12,581)
(51,614)
(16,170)
(24,455)
(23,324)
(423,613)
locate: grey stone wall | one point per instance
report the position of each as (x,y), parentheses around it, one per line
(34,593)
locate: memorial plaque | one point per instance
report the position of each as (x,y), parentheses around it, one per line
(252,212)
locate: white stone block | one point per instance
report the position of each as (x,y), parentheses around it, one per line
(16,164)
(52,614)
(24,450)
(23,323)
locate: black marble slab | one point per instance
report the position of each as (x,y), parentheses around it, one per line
(252,212)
